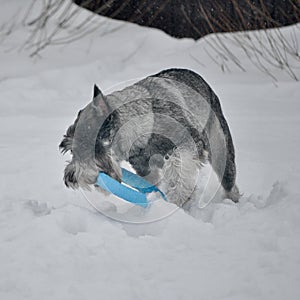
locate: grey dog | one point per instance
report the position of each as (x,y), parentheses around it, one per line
(166,126)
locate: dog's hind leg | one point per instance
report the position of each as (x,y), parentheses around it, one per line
(228,180)
(222,158)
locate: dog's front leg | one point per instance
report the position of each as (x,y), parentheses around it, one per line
(179,176)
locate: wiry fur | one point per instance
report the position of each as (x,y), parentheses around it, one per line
(166,126)
(179,166)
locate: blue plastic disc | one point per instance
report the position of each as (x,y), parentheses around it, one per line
(135,190)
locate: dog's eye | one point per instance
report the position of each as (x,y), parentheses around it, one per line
(106,142)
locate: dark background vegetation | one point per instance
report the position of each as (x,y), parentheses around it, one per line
(197,18)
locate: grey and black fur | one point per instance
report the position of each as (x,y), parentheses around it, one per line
(166,125)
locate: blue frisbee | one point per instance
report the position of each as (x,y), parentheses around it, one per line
(133,188)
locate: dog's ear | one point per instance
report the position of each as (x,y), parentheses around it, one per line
(99,101)
(97,91)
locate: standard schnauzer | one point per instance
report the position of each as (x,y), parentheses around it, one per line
(166,126)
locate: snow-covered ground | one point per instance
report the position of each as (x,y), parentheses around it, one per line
(53,245)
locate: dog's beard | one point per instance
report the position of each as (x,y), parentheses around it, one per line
(79,174)
(84,174)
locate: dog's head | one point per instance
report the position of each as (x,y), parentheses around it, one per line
(89,140)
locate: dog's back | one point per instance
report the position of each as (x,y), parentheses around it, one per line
(197,83)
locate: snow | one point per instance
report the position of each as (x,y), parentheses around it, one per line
(54,245)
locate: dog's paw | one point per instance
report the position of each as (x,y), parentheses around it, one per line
(234,195)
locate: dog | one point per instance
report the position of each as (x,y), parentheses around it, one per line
(166,126)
